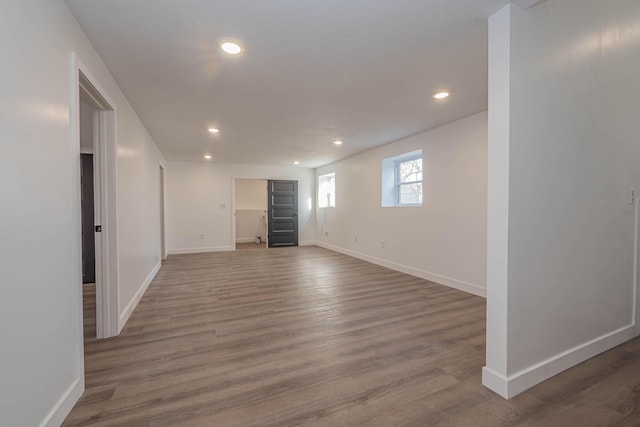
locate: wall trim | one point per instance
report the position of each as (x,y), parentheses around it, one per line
(105,138)
(201,250)
(253,239)
(65,404)
(495,382)
(529,377)
(246,240)
(427,275)
(128,310)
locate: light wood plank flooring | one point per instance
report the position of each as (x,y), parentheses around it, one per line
(250,246)
(305,336)
(89,311)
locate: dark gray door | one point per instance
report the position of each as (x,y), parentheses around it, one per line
(88,231)
(283,213)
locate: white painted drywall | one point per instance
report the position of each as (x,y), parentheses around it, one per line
(138,205)
(251,209)
(443,240)
(526,4)
(251,224)
(573,153)
(251,194)
(40,251)
(199,203)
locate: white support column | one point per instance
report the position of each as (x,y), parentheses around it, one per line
(494,374)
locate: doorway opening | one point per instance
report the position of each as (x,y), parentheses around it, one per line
(87,217)
(250,213)
(94,122)
(266,208)
(87,205)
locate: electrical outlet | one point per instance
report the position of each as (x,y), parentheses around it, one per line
(202,237)
(326,233)
(633,195)
(382,244)
(355,239)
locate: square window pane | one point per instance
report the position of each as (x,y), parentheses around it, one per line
(410,170)
(410,194)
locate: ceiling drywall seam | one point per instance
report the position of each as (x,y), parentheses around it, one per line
(526,4)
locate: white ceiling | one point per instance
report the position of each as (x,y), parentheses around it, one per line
(363,71)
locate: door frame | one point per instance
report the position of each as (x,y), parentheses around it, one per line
(104,155)
(163,213)
(635,200)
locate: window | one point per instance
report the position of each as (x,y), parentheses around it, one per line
(402,180)
(327,191)
(409,181)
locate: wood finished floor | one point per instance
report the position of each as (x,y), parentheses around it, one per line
(250,246)
(306,336)
(89,311)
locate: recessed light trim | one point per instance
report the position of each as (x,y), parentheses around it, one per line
(208,156)
(441,95)
(230,47)
(295,162)
(214,130)
(337,142)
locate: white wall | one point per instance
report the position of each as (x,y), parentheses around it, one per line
(251,224)
(199,203)
(138,206)
(251,208)
(444,240)
(573,152)
(40,251)
(251,194)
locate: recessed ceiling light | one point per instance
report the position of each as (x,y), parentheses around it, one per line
(214,130)
(207,156)
(230,47)
(338,142)
(441,95)
(295,162)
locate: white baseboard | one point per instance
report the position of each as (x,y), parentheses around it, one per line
(527,378)
(433,277)
(200,250)
(496,382)
(245,240)
(131,306)
(251,240)
(64,405)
